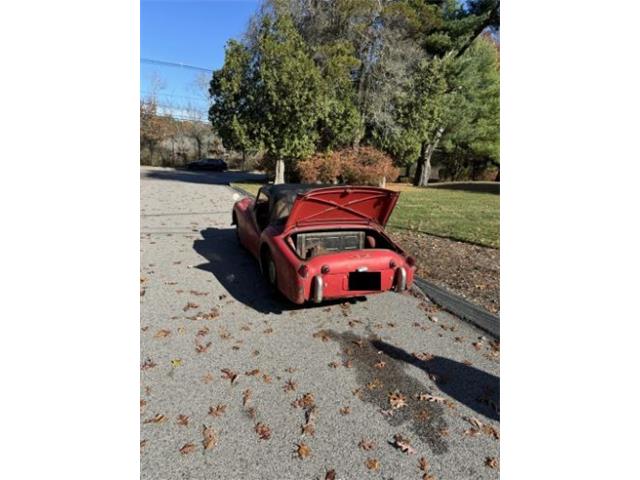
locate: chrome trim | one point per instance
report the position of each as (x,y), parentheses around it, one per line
(401,279)
(318,287)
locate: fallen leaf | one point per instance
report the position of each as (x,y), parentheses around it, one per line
(189,306)
(290,386)
(375,384)
(218,410)
(372,464)
(143,443)
(331,475)
(263,431)
(491,431)
(366,444)
(252,373)
(430,398)
(202,348)
(347,364)
(380,364)
(322,335)
(207,377)
(198,294)
(202,332)
(229,374)
(159,418)
(303,450)
(268,331)
(345,410)
(334,364)
(246,396)
(176,362)
(491,462)
(266,378)
(147,364)
(143,403)
(162,333)
(403,444)
(183,420)
(397,400)
(423,464)
(306,401)
(209,439)
(188,448)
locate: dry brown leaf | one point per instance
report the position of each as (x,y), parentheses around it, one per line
(246,396)
(322,335)
(397,400)
(290,386)
(189,306)
(306,401)
(423,464)
(491,462)
(491,431)
(202,332)
(229,374)
(266,378)
(159,418)
(334,364)
(366,444)
(209,439)
(263,431)
(430,398)
(380,364)
(202,348)
(147,364)
(198,294)
(143,403)
(183,420)
(403,444)
(207,377)
(471,432)
(218,410)
(372,464)
(268,331)
(252,373)
(188,448)
(345,410)
(375,384)
(331,475)
(347,364)
(162,333)
(143,443)
(303,450)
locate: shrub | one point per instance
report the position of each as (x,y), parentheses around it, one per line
(355,166)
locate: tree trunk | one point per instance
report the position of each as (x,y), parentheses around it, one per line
(423,172)
(383,182)
(279,172)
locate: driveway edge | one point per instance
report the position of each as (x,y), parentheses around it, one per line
(460,307)
(452,303)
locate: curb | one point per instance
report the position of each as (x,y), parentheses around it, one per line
(455,304)
(464,309)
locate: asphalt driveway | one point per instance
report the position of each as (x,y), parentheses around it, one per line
(238,385)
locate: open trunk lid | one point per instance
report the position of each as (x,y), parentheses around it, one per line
(343,204)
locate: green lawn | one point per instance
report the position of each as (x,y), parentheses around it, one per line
(461,215)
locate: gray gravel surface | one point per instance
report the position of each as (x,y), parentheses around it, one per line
(205,308)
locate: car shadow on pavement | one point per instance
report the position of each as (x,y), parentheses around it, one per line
(478,390)
(238,272)
(208,178)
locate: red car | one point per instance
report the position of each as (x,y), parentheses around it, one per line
(323,243)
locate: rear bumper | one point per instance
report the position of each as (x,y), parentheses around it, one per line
(338,288)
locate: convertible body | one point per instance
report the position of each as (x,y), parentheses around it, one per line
(319,243)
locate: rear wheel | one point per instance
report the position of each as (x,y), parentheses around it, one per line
(269,271)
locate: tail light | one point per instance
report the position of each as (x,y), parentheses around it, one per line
(325,269)
(411,261)
(303,271)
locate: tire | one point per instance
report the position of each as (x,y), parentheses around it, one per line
(269,271)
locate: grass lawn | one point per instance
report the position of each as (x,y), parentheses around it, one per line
(461,215)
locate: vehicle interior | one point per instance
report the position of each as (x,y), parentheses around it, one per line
(311,244)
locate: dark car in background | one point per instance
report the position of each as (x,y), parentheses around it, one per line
(211,164)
